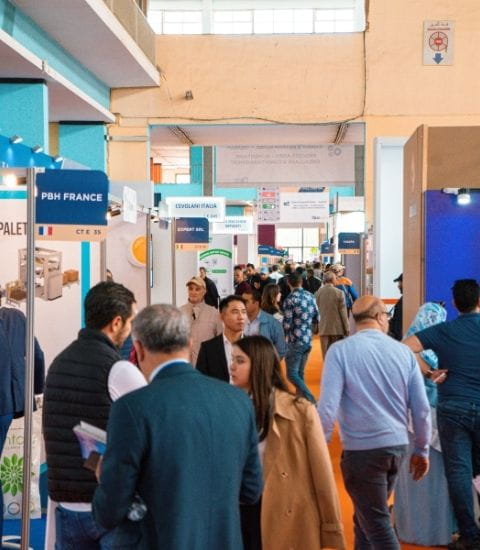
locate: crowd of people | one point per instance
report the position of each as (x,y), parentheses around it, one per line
(223,451)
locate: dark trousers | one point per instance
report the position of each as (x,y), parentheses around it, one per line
(369,478)
(5,421)
(326,340)
(459,430)
(250,523)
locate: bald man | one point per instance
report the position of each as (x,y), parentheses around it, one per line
(370,381)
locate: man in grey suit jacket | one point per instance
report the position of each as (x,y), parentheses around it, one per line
(186,444)
(333,325)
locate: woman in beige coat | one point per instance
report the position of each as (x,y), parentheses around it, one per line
(299,508)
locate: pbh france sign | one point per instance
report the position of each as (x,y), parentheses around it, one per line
(71,205)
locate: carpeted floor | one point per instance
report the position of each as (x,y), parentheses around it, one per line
(312,377)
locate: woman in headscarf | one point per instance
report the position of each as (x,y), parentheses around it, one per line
(422,511)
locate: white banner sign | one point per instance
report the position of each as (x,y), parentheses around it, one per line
(212,208)
(285,165)
(350,204)
(304,207)
(218,261)
(129,205)
(234,225)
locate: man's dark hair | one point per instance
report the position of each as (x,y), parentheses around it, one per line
(105,301)
(295,279)
(274,268)
(255,294)
(310,272)
(227,300)
(288,269)
(299,270)
(466,293)
(251,265)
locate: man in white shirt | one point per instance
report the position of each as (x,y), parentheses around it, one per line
(215,356)
(82,382)
(205,322)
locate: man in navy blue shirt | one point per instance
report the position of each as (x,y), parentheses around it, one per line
(457,345)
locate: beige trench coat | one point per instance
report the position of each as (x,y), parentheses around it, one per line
(300,508)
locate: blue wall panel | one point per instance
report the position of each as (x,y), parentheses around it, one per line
(84,143)
(24,111)
(451,245)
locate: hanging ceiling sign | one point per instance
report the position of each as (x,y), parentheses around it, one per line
(350,204)
(71,205)
(349,243)
(191,234)
(265,250)
(438,42)
(268,204)
(234,225)
(212,208)
(304,207)
(285,165)
(129,206)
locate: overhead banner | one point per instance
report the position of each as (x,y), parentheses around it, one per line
(71,205)
(191,234)
(234,225)
(349,243)
(218,261)
(268,209)
(265,250)
(256,165)
(212,208)
(304,207)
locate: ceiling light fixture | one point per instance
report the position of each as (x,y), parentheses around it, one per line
(37,149)
(16,139)
(10,180)
(58,158)
(463,197)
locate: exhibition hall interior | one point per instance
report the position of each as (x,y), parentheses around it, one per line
(288,184)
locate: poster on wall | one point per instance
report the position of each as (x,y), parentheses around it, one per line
(256,165)
(218,261)
(304,207)
(127,255)
(234,225)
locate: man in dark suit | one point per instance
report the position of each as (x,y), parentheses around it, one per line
(215,355)
(211,296)
(185,444)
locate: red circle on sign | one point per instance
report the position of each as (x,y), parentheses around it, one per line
(438,41)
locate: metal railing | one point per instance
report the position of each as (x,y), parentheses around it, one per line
(131,16)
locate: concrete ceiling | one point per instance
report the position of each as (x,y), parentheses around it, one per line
(256,134)
(91,33)
(66,101)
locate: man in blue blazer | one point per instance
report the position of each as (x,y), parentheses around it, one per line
(186,444)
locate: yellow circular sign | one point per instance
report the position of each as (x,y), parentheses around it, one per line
(138,251)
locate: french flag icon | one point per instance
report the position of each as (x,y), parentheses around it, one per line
(45,230)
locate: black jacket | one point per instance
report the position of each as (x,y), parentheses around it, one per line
(212,360)
(211,297)
(76,389)
(396,322)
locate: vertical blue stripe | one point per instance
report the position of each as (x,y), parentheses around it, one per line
(85,276)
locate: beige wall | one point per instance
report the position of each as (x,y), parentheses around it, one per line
(318,78)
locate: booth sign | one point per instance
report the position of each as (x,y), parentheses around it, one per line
(349,243)
(71,205)
(191,234)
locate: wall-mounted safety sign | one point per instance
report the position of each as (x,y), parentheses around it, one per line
(438,42)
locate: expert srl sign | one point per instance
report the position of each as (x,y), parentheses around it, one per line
(212,208)
(349,243)
(71,205)
(191,234)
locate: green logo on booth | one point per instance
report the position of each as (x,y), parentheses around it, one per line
(11,474)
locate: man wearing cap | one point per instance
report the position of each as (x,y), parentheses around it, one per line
(204,319)
(265,278)
(395,328)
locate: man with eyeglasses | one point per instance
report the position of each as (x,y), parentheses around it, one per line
(370,382)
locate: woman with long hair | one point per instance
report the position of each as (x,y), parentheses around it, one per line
(271,301)
(299,506)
